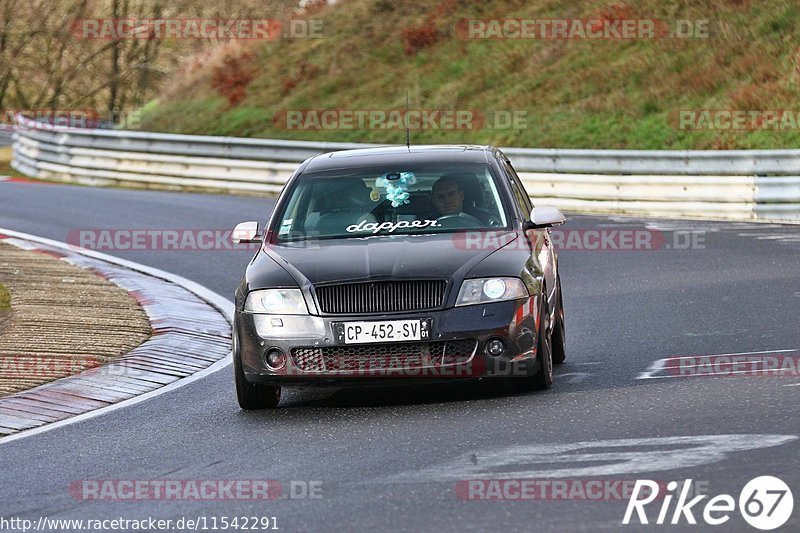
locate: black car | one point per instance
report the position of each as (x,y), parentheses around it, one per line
(398,263)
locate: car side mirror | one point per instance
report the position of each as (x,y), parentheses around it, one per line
(246,232)
(545,217)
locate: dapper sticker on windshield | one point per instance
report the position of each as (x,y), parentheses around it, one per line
(375,227)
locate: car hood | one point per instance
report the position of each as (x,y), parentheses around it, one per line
(440,256)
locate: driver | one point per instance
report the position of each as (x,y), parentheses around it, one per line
(448,198)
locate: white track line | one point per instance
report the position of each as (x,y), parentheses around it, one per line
(223,305)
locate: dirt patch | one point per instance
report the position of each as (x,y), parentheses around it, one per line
(63,320)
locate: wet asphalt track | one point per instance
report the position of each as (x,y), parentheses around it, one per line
(392,458)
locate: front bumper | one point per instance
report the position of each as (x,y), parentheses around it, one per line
(455,349)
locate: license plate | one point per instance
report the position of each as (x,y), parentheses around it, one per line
(382,331)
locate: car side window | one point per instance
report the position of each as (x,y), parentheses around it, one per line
(523,201)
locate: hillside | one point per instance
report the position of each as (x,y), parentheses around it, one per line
(581,93)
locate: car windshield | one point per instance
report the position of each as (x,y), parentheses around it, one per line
(407,199)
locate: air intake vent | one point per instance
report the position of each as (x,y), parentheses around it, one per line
(396,356)
(381,297)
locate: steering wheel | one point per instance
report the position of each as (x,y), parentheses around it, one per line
(459,220)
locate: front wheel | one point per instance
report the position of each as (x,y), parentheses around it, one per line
(559,336)
(253,396)
(543,379)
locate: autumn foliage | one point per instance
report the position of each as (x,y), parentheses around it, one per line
(231,78)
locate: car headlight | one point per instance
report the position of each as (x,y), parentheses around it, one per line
(486,290)
(276,302)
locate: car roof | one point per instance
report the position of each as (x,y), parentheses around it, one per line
(389,155)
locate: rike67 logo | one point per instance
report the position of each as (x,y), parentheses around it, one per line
(765,503)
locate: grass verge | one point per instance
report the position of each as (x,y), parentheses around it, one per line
(574,93)
(5,163)
(5,299)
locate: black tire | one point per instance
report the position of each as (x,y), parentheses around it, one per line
(559,333)
(543,379)
(253,396)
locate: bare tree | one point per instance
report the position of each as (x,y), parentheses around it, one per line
(45,64)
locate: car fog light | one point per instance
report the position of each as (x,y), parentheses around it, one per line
(275,359)
(495,347)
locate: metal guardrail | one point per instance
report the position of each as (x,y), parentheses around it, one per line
(659,162)
(739,184)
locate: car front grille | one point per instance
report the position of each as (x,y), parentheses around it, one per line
(383,356)
(381,296)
